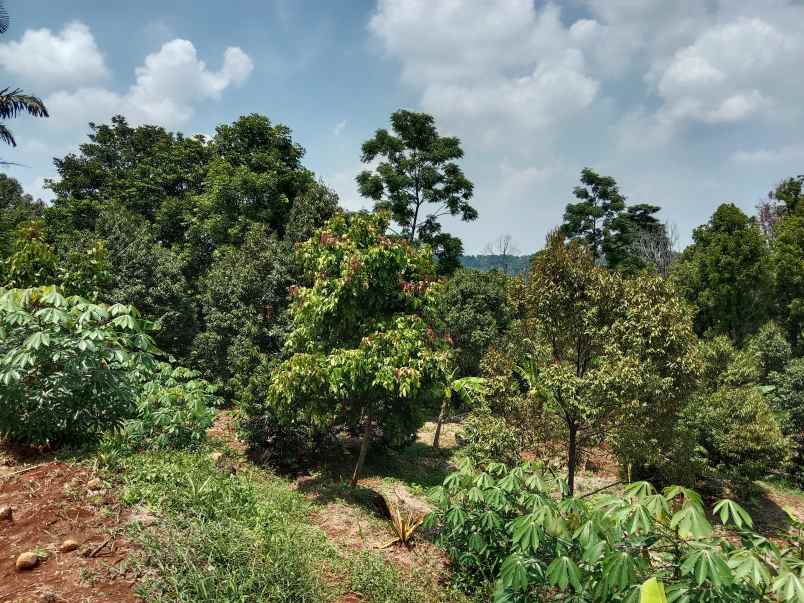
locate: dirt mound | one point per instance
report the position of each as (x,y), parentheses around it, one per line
(53,503)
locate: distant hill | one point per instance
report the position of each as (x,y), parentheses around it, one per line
(517,264)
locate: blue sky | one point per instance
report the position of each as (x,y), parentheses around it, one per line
(687,103)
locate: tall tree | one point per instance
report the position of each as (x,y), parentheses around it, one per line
(624,230)
(599,202)
(418,181)
(726,274)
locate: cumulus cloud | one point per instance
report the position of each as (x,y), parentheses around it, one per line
(729,73)
(667,96)
(491,64)
(48,60)
(167,86)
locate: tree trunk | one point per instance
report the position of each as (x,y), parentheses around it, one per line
(572,456)
(441,416)
(363,449)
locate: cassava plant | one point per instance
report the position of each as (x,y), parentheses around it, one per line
(69,369)
(510,536)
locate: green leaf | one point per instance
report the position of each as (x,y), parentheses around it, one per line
(707,565)
(730,510)
(789,588)
(746,566)
(563,572)
(652,591)
(618,570)
(525,533)
(691,522)
(513,573)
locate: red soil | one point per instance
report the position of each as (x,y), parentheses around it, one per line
(52,503)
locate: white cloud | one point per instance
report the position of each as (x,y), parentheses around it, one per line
(789,153)
(486,65)
(339,128)
(168,85)
(730,72)
(49,61)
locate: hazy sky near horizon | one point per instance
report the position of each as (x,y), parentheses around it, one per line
(688,103)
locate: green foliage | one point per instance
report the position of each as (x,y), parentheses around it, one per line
(68,367)
(243,298)
(13,102)
(418,181)
(487,439)
(787,259)
(148,275)
(738,434)
(726,274)
(16,208)
(599,202)
(245,537)
(510,537)
(174,409)
(476,309)
(770,348)
(726,365)
(787,398)
(360,351)
(618,352)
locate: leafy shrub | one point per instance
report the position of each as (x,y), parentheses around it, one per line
(507,533)
(174,410)
(475,309)
(724,364)
(787,398)
(738,433)
(487,438)
(68,368)
(770,348)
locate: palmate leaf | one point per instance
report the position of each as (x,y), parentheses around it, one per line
(619,571)
(707,565)
(728,510)
(640,489)
(789,588)
(563,572)
(525,533)
(747,566)
(691,522)
(513,573)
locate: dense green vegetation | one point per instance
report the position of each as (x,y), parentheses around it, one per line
(172,277)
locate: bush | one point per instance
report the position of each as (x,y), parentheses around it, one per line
(770,348)
(787,398)
(487,438)
(68,368)
(475,309)
(174,410)
(738,433)
(513,540)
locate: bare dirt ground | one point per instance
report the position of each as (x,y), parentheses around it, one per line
(54,502)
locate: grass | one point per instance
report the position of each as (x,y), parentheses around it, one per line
(244,537)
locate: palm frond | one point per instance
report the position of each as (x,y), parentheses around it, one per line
(16,101)
(6,136)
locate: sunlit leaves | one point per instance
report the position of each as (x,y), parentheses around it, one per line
(652,591)
(707,565)
(67,372)
(730,511)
